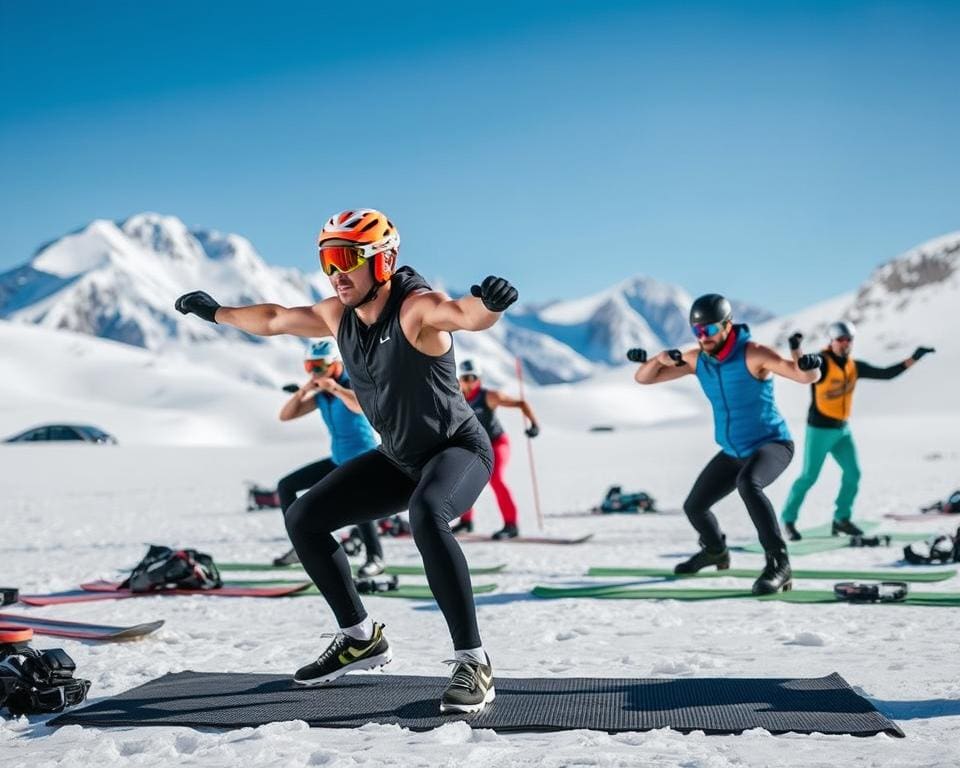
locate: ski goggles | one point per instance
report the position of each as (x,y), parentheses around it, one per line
(468,377)
(316,366)
(343,258)
(705,330)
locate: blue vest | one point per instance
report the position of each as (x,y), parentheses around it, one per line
(350,433)
(745,416)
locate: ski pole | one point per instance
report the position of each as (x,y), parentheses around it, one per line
(533,469)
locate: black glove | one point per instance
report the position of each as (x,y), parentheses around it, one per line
(532,431)
(677,356)
(637,355)
(201,304)
(291,388)
(495,292)
(809,362)
(794,341)
(921,351)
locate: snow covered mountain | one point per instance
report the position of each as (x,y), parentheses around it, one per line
(905,303)
(638,312)
(118,281)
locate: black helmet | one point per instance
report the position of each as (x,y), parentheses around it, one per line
(710,308)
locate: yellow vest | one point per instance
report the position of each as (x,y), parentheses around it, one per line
(833,394)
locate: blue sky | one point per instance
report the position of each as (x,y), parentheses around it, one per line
(773,151)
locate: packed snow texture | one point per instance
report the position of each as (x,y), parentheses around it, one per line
(192,430)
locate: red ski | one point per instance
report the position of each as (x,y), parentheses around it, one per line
(108,590)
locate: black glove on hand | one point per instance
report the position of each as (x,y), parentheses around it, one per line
(637,355)
(496,293)
(291,388)
(677,356)
(532,431)
(794,341)
(921,351)
(809,362)
(201,304)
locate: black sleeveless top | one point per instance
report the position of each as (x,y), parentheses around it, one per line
(485,414)
(410,398)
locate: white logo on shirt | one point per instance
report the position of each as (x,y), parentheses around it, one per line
(383,339)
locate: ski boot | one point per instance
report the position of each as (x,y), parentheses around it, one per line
(776,576)
(705,558)
(845,527)
(792,533)
(462,526)
(507,532)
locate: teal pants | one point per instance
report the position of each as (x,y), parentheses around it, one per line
(820,442)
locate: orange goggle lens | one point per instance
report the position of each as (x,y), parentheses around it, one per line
(315,366)
(341,258)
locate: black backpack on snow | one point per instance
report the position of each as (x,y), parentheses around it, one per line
(165,568)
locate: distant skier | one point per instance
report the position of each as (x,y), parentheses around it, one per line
(735,374)
(484,403)
(394,334)
(827,429)
(328,391)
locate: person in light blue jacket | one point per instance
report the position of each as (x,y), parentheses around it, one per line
(736,375)
(328,391)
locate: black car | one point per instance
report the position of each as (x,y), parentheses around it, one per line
(63,432)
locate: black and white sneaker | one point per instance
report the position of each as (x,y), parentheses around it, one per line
(289,558)
(346,654)
(470,689)
(373,567)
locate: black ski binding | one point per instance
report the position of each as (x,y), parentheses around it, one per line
(9,595)
(36,682)
(870,541)
(884,592)
(374,584)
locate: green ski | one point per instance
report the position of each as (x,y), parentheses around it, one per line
(912,575)
(390,570)
(626,592)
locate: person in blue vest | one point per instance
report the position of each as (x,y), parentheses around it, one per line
(755,444)
(328,391)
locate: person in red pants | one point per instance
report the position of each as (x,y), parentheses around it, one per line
(484,403)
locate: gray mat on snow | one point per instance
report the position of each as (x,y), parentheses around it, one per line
(714,705)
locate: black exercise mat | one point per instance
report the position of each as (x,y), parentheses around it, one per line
(714,705)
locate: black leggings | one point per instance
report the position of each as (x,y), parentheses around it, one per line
(749,477)
(370,487)
(305,478)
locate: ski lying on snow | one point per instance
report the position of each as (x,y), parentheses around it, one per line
(390,570)
(78,630)
(626,592)
(815,545)
(905,574)
(911,517)
(473,538)
(594,513)
(106,590)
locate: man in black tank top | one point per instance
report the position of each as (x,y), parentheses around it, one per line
(394,334)
(484,403)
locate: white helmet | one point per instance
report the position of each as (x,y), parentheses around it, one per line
(325,349)
(841,329)
(469,368)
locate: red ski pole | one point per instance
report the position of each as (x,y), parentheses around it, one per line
(533,469)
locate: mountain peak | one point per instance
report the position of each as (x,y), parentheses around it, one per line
(165,235)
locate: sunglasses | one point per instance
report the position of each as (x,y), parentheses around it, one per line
(468,378)
(315,366)
(342,258)
(705,330)
(844,339)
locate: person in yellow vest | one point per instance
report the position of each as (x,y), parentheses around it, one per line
(827,429)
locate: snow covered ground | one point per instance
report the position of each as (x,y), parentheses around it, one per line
(73,513)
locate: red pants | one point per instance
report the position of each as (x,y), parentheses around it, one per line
(508,509)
